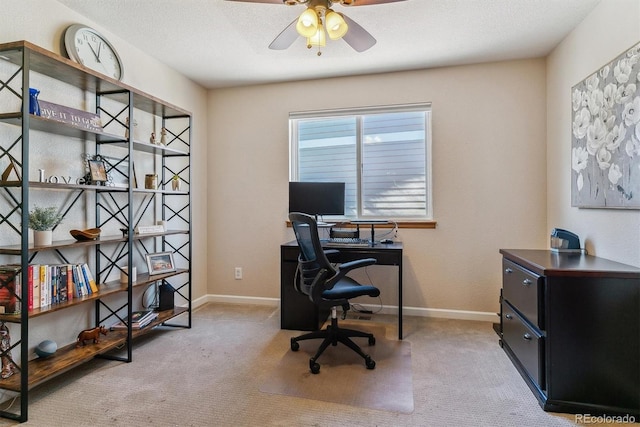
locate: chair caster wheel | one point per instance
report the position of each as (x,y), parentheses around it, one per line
(294,345)
(371,364)
(314,367)
(372,340)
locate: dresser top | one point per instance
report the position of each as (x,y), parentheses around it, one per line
(548,263)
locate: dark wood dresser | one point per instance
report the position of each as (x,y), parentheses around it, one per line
(570,323)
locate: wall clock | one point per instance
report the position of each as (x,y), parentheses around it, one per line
(88,47)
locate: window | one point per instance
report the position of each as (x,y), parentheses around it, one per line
(381,153)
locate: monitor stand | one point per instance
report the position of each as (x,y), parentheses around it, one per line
(373,223)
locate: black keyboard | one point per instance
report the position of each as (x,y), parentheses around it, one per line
(346,241)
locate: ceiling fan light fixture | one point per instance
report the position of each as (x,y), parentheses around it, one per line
(336,25)
(318,39)
(307,25)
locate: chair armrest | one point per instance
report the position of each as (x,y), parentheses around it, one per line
(345,268)
(358,263)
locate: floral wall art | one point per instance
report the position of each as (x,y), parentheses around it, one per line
(605,139)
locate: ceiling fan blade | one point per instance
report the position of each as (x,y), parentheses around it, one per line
(286,37)
(361,2)
(259,1)
(357,37)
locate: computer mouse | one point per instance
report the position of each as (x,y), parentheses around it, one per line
(387,241)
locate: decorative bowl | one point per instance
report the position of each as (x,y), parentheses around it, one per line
(89,234)
(46,348)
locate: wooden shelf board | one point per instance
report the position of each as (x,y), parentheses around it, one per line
(105,289)
(63,69)
(60,244)
(70,356)
(141,146)
(56,127)
(63,186)
(63,360)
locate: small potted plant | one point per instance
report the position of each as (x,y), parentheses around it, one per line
(42,221)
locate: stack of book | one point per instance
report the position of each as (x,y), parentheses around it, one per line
(139,319)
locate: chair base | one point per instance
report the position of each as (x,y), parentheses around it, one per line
(333,334)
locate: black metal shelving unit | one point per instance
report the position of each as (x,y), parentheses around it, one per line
(122,207)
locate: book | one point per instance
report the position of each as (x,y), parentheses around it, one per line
(62,284)
(9,281)
(36,285)
(89,278)
(78,277)
(30,288)
(44,286)
(53,284)
(70,286)
(140,319)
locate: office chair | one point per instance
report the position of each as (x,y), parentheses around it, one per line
(327,285)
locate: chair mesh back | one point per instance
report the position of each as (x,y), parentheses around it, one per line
(312,258)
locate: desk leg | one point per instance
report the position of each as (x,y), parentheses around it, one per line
(400,300)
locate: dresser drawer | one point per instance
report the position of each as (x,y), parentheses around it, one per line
(525,342)
(523,289)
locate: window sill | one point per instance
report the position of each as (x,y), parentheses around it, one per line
(407,224)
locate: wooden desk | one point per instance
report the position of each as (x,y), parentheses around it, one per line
(298,312)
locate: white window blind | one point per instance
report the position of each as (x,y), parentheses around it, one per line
(381,153)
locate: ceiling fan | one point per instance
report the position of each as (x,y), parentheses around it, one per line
(319,20)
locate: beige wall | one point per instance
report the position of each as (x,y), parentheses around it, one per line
(489,178)
(500,160)
(43,22)
(612,28)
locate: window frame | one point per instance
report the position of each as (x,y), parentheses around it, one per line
(424,107)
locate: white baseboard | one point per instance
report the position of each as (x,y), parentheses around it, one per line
(386,309)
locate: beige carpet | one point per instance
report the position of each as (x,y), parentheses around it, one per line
(211,375)
(343,377)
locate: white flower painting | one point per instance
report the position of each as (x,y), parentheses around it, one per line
(605,136)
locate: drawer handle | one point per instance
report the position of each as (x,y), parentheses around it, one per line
(508,316)
(526,282)
(527,336)
(508,271)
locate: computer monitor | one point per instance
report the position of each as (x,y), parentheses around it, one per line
(317,198)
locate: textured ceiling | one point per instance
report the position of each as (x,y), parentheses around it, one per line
(220,43)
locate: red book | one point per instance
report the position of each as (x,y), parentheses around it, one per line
(30,290)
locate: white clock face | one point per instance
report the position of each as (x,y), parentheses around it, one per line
(87,47)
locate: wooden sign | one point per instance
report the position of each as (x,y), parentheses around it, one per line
(149,229)
(71,116)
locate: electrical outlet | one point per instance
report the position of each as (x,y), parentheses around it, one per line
(238,273)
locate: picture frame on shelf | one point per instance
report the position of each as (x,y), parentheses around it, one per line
(97,170)
(160,262)
(135,177)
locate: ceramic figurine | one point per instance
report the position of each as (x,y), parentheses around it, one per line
(163,136)
(91,334)
(152,139)
(8,365)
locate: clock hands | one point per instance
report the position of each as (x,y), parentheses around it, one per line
(97,55)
